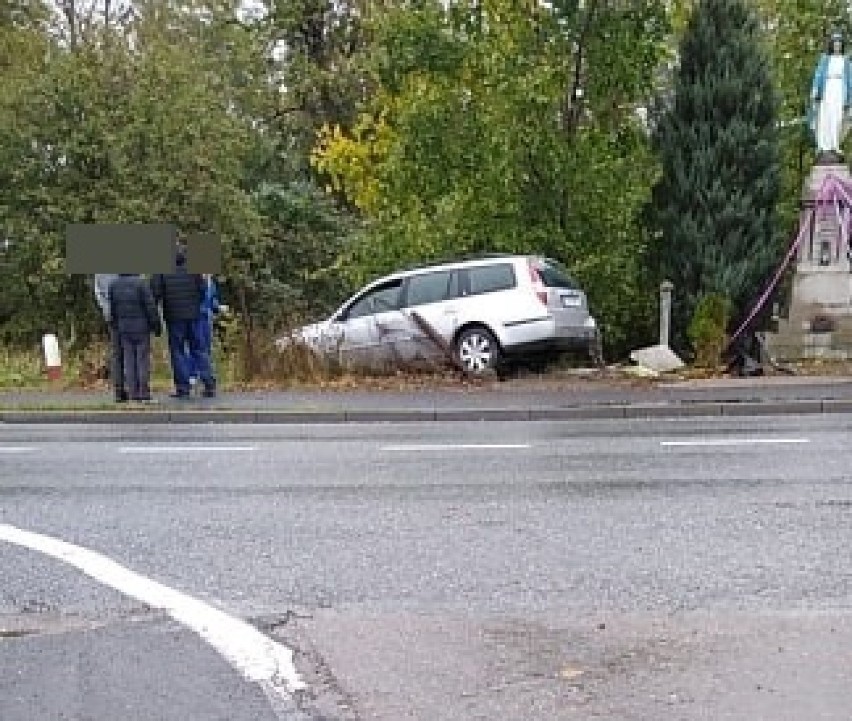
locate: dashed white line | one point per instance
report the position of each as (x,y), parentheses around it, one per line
(709,442)
(458,447)
(13,449)
(184,449)
(257,657)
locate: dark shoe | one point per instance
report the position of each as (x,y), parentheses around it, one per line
(209,393)
(121,397)
(181,395)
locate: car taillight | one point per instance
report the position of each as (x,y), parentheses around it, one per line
(538,285)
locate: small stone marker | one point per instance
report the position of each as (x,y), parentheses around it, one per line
(52,356)
(660,358)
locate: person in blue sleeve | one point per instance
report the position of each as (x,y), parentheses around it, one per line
(210,307)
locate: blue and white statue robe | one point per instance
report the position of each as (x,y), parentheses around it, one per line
(831,94)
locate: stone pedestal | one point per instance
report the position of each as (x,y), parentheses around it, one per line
(819,317)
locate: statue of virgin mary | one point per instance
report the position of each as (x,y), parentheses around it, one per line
(831,95)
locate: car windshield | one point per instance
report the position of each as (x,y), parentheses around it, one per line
(554,275)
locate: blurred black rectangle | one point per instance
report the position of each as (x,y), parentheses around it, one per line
(120,248)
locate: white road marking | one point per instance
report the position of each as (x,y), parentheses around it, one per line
(257,657)
(183,449)
(12,449)
(736,441)
(460,447)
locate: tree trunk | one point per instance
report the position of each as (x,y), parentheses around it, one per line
(572,103)
(69,9)
(248,336)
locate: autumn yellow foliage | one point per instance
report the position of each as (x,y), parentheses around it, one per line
(351,160)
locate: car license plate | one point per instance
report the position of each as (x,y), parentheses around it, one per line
(570,301)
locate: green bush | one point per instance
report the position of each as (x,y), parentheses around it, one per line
(707,329)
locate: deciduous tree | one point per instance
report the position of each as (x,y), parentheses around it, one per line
(505,126)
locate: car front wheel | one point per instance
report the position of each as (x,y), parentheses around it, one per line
(477,351)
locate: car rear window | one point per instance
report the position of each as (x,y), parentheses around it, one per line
(490,278)
(554,275)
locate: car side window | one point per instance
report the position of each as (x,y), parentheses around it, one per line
(490,278)
(428,288)
(380,299)
(455,285)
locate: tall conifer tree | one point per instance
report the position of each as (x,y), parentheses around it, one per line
(714,205)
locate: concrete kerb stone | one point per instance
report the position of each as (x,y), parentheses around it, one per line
(836,406)
(211,416)
(578,413)
(128,417)
(297,417)
(401,416)
(16,417)
(83,416)
(758,408)
(484,414)
(674,410)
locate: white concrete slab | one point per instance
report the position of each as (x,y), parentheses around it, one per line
(659,358)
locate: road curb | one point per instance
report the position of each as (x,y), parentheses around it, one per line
(690,409)
(670,410)
(757,408)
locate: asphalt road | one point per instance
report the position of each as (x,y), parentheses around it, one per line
(625,570)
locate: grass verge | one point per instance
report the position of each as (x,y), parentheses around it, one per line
(267,369)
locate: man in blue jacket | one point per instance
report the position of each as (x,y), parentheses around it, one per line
(210,307)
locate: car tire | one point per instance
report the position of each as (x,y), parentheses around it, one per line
(477,351)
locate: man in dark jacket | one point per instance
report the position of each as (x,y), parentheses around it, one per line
(116,370)
(181,294)
(135,316)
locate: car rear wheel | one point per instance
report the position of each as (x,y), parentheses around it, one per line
(477,351)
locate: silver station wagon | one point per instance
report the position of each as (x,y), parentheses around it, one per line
(482,312)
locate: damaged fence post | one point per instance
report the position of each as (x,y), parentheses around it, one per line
(435,337)
(666,288)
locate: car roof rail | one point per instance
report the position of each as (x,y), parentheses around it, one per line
(457,259)
(488,256)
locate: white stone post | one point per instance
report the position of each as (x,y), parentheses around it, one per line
(52,357)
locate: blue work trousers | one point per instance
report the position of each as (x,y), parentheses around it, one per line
(187,354)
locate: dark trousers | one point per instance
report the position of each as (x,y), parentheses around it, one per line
(188,355)
(137,364)
(116,361)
